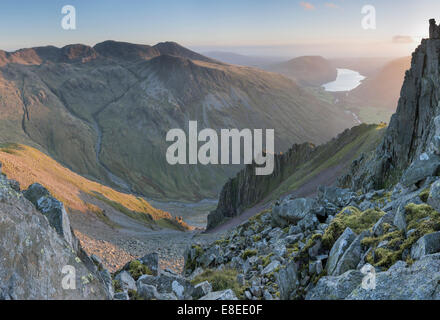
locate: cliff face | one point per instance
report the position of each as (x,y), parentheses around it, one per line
(413,129)
(302,165)
(247,189)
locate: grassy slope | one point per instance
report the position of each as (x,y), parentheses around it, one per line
(332,154)
(28,165)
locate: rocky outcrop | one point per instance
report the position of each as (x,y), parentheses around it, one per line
(247,189)
(376,239)
(53,210)
(37,263)
(292,211)
(413,129)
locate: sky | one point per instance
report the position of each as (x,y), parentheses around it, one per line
(332,28)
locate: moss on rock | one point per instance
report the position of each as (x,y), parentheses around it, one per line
(137,269)
(221,280)
(353,218)
(421,219)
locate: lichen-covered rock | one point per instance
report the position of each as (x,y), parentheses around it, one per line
(428,244)
(151,260)
(53,209)
(147,292)
(434,196)
(402,282)
(339,249)
(56,214)
(126,281)
(335,287)
(168,282)
(420,170)
(351,257)
(287,280)
(201,290)
(292,211)
(34,256)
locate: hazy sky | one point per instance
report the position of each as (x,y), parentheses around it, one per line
(259,27)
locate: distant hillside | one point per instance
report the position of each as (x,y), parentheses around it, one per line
(384,88)
(104,111)
(28,165)
(368,67)
(308,71)
(243,60)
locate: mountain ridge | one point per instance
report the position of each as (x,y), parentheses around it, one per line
(109,109)
(109,49)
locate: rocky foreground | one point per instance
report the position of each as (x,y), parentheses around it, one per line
(37,244)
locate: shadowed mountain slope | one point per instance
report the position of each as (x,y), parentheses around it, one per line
(308,70)
(104,111)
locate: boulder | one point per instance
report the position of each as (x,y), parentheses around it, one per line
(287,280)
(292,211)
(388,218)
(151,260)
(337,196)
(170,282)
(121,296)
(220,295)
(351,257)
(126,281)
(201,290)
(147,279)
(147,292)
(434,196)
(336,287)
(271,267)
(56,214)
(35,192)
(427,244)
(402,282)
(420,169)
(399,219)
(338,250)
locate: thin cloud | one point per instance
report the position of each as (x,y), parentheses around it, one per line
(403,39)
(307,5)
(331,5)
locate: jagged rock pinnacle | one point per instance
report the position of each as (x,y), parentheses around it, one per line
(434,30)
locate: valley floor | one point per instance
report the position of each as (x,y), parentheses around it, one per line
(128,239)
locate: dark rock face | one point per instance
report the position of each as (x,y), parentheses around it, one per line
(247,189)
(53,209)
(413,129)
(151,260)
(434,30)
